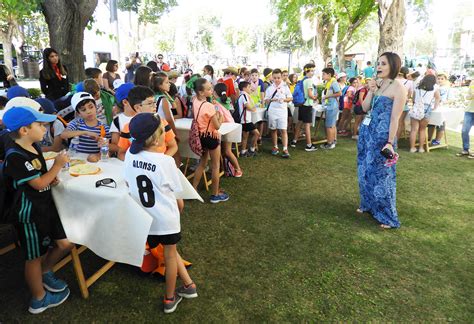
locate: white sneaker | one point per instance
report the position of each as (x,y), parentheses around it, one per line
(421,150)
(355,137)
(413,150)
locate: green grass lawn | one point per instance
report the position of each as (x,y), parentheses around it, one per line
(289,247)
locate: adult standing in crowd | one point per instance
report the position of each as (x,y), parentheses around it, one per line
(369,70)
(110,75)
(6,77)
(131,67)
(53,77)
(162,66)
(377,179)
(409,85)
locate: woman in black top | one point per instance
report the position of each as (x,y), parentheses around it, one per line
(53,77)
(6,77)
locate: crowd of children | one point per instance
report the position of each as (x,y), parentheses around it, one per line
(136,120)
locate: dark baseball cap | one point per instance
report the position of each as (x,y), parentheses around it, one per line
(142,126)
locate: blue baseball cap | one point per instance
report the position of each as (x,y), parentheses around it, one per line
(20,116)
(79,87)
(47,105)
(17,91)
(122,91)
(142,126)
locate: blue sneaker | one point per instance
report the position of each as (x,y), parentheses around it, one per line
(222,196)
(435,142)
(53,284)
(49,300)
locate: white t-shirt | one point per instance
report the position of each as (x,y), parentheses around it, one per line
(123,120)
(427,97)
(282,92)
(152,180)
(160,110)
(247,115)
(58,128)
(212,80)
(409,85)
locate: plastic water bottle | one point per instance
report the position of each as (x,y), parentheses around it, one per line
(73,147)
(104,149)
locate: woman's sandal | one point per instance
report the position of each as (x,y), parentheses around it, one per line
(359,211)
(383,226)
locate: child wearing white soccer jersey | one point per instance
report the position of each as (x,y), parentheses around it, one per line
(153,179)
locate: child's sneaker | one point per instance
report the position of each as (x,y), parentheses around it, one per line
(222,196)
(244,153)
(53,284)
(285,154)
(49,300)
(328,146)
(310,148)
(251,154)
(435,142)
(238,174)
(187,292)
(293,143)
(275,151)
(170,305)
(463,153)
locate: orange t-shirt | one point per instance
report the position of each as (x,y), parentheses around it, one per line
(204,115)
(125,140)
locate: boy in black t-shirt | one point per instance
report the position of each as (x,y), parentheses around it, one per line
(34,213)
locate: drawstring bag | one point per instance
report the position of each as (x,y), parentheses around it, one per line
(229,169)
(194,140)
(418,110)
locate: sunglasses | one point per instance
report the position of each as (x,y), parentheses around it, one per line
(107,182)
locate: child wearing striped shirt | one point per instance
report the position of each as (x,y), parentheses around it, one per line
(86,126)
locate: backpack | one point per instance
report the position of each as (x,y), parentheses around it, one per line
(341,98)
(228,168)
(194,139)
(298,93)
(355,100)
(8,199)
(236,113)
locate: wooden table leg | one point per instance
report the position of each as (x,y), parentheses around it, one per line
(315,141)
(76,262)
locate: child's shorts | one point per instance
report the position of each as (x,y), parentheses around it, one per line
(277,120)
(37,237)
(209,143)
(331,117)
(170,239)
(305,114)
(248,127)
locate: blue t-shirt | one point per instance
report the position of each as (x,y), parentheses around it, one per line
(333,103)
(369,72)
(87,144)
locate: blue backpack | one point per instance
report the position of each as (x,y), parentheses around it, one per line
(298,94)
(8,199)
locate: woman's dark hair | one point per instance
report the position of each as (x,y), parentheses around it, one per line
(267,71)
(48,71)
(153,66)
(110,65)
(142,76)
(427,83)
(404,71)
(242,70)
(329,71)
(210,69)
(199,85)
(157,80)
(415,75)
(243,85)
(138,94)
(308,67)
(394,62)
(291,77)
(221,90)
(352,80)
(173,90)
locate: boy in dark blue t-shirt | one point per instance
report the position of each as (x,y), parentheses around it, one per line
(34,212)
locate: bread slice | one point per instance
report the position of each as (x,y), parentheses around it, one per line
(83,169)
(74,162)
(50,155)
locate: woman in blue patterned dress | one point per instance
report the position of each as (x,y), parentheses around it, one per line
(377,182)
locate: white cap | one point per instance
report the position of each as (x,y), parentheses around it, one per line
(20,101)
(341,75)
(117,83)
(80,96)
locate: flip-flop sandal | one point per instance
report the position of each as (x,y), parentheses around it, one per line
(383,226)
(359,211)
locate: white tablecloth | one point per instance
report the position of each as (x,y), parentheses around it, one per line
(106,220)
(452,116)
(258,115)
(231,132)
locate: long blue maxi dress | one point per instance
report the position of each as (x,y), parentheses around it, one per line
(377,183)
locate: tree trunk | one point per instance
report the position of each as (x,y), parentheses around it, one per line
(391,26)
(324,31)
(66,21)
(6,39)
